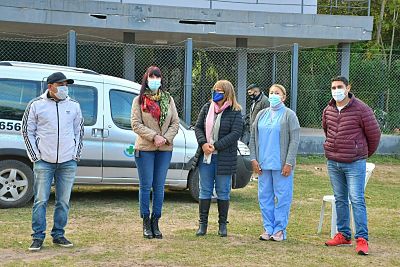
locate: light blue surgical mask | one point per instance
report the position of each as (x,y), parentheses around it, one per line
(154,84)
(274,100)
(62,92)
(339,94)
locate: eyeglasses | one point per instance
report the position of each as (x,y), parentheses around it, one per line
(337,87)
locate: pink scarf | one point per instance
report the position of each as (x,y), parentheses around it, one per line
(214,108)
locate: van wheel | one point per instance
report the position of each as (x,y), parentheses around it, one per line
(194,186)
(16,183)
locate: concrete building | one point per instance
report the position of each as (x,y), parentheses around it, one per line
(276,24)
(258,23)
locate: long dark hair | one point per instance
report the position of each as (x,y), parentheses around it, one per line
(151,71)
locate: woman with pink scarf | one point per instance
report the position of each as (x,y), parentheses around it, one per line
(218,130)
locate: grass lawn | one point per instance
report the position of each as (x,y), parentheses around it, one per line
(107,231)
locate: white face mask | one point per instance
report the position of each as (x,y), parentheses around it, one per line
(339,94)
(62,92)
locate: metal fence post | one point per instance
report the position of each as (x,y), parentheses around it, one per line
(129,56)
(71,49)
(294,76)
(344,59)
(188,80)
(274,67)
(241,43)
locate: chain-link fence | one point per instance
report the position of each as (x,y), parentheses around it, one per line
(39,50)
(344,7)
(374,79)
(132,60)
(371,80)
(263,67)
(377,83)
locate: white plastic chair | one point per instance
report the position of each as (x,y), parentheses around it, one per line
(331,199)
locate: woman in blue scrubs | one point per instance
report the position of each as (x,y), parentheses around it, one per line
(274,142)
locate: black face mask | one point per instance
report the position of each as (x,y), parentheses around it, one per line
(254,96)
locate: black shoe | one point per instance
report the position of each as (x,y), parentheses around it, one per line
(154,227)
(36,245)
(147,232)
(63,242)
(223,207)
(204,207)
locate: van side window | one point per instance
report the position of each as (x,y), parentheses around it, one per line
(15,96)
(121,105)
(87,98)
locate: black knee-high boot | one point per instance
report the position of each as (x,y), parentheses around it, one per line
(154,227)
(204,207)
(147,233)
(223,207)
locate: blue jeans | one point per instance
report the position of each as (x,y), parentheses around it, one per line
(275,194)
(208,176)
(152,168)
(64,176)
(348,182)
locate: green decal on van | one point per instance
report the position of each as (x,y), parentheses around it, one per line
(130,151)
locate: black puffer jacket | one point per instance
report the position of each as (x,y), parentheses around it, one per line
(230,131)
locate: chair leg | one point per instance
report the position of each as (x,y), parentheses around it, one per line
(333,220)
(321,217)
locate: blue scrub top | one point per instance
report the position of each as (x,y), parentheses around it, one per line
(269,127)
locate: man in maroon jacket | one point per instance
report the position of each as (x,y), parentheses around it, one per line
(352,135)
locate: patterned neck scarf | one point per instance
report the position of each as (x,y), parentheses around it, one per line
(156,104)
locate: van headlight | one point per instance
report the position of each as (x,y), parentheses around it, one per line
(243,149)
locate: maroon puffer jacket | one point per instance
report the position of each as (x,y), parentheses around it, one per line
(351,134)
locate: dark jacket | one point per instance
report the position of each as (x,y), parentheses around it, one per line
(229,133)
(260,104)
(351,134)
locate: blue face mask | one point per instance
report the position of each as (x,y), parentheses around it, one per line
(274,100)
(154,84)
(217,96)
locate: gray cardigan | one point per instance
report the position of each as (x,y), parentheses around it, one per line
(289,137)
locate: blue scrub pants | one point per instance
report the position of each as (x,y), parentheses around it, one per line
(275,194)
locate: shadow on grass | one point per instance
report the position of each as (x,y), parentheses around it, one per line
(115,194)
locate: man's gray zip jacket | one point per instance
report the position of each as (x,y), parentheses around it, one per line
(53,131)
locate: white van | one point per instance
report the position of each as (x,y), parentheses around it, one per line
(107,156)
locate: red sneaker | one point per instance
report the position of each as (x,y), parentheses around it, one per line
(362,246)
(338,240)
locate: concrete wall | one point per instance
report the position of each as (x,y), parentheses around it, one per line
(288,28)
(279,6)
(313,144)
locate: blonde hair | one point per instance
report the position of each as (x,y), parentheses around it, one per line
(280,88)
(229,91)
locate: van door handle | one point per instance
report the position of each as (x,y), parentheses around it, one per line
(106,133)
(97,132)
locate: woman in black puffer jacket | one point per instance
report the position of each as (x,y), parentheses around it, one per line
(218,130)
